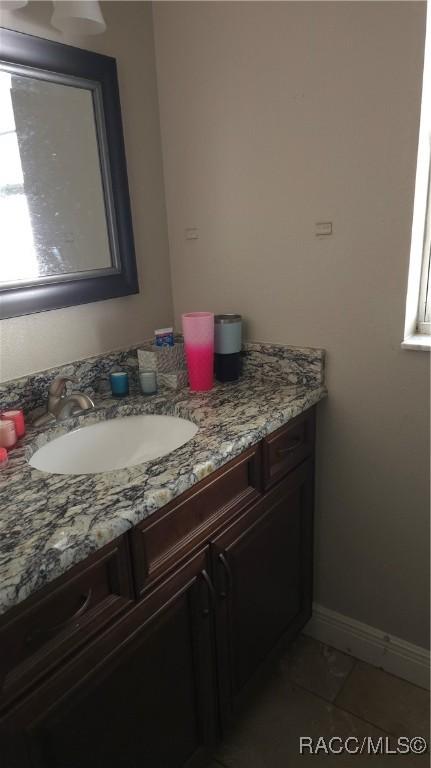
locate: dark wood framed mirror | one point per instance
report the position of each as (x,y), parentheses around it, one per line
(66,234)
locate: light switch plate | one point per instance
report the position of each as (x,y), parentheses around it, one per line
(191,233)
(323,229)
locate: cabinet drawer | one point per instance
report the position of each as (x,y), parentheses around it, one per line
(61,617)
(158,543)
(287,447)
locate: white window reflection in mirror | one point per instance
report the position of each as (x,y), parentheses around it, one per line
(53,217)
(15,225)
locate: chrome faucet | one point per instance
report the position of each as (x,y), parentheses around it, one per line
(60,406)
(76,403)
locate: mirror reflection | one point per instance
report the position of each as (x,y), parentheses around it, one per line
(54,200)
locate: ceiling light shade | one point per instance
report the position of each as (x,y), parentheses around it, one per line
(12,5)
(78,17)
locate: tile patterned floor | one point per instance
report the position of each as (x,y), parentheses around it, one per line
(318,691)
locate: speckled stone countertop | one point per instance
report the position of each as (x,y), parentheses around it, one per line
(49,522)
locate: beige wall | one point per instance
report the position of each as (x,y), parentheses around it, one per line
(38,341)
(276,116)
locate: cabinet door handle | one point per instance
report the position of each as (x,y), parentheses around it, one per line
(295,443)
(85,602)
(211,591)
(223,560)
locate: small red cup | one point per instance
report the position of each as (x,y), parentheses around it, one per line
(18,419)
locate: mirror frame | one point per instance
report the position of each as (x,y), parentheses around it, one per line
(20,50)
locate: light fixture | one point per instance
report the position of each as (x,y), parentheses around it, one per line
(78,17)
(12,5)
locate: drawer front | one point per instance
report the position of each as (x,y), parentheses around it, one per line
(287,447)
(61,617)
(188,521)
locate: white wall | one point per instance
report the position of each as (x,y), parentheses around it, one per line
(276,116)
(42,340)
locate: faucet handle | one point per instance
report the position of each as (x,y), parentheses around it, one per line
(56,388)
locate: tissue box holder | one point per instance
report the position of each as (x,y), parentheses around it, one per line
(168,362)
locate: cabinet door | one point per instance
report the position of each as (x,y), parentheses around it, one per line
(141,696)
(262,568)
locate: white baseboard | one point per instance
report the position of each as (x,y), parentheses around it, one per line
(397,656)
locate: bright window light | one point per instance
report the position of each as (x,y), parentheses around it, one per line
(418,317)
(18,260)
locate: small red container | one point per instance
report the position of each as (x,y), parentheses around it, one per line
(18,419)
(3,457)
(8,436)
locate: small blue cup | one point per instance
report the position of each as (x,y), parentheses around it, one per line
(119,384)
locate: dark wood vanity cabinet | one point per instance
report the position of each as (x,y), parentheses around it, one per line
(143,694)
(41,633)
(228,583)
(262,566)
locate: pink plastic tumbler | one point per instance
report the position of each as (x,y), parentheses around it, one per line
(198,330)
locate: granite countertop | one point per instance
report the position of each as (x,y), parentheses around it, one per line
(49,522)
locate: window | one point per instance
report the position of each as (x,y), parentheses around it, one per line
(15,222)
(424,314)
(417,330)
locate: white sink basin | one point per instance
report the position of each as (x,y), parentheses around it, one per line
(113,444)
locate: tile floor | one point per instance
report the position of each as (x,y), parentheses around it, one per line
(318,691)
